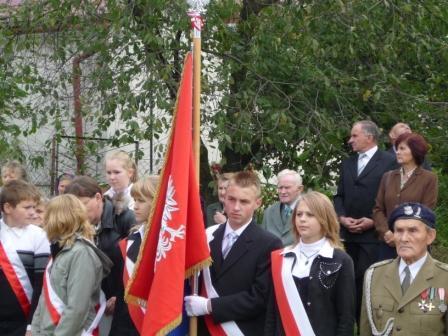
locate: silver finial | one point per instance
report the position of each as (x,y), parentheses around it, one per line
(198,5)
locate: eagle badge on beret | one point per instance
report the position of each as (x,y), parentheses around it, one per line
(408,211)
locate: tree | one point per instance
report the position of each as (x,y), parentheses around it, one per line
(283,80)
(300,73)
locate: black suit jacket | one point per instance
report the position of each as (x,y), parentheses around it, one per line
(356,195)
(243,279)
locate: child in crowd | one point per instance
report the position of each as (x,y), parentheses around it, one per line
(110,228)
(71,302)
(121,172)
(63,181)
(24,253)
(314,277)
(13,170)
(41,206)
(126,317)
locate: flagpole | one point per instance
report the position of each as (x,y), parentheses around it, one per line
(196,8)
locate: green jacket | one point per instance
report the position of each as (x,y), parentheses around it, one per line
(387,300)
(274,223)
(75,276)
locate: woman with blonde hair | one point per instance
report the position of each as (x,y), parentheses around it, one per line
(128,318)
(71,292)
(314,278)
(121,172)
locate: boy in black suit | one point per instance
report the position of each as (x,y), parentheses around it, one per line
(237,285)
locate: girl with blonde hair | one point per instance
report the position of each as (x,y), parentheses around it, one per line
(127,318)
(121,172)
(313,278)
(72,280)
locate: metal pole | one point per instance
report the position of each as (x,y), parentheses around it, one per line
(53,166)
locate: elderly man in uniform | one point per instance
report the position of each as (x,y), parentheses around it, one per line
(407,295)
(277,217)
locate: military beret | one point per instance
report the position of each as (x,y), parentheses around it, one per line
(413,211)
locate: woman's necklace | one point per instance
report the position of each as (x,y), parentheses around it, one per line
(404,177)
(308,257)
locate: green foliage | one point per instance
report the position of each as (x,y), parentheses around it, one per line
(440,248)
(300,74)
(282,81)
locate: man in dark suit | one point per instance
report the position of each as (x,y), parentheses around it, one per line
(360,177)
(238,283)
(397,130)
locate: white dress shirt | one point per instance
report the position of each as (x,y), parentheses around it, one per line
(414,268)
(306,253)
(238,232)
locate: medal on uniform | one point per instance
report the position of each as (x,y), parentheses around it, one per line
(422,304)
(442,305)
(432,294)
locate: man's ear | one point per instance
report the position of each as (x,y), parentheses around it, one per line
(259,202)
(431,236)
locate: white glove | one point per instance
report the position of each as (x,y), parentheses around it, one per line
(196,305)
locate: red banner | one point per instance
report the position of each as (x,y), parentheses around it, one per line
(174,245)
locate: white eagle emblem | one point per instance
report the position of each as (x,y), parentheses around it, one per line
(408,210)
(168,235)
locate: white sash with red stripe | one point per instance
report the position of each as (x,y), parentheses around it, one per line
(226,328)
(56,306)
(137,313)
(293,315)
(16,275)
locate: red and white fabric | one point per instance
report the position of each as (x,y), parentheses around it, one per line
(56,306)
(293,314)
(16,275)
(229,328)
(137,313)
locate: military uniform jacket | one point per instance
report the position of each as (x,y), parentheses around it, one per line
(387,300)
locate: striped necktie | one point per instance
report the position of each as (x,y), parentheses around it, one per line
(362,162)
(286,212)
(407,280)
(231,238)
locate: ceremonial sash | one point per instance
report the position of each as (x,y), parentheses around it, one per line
(136,313)
(56,306)
(229,328)
(293,315)
(16,275)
